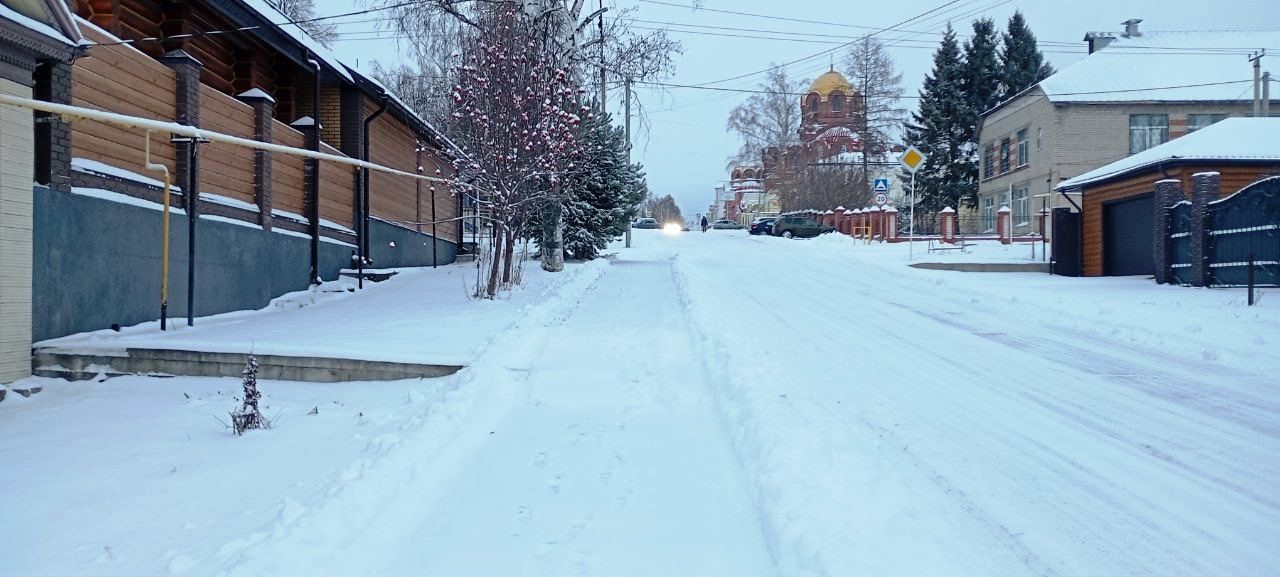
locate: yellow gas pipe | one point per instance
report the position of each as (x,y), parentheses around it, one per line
(164,241)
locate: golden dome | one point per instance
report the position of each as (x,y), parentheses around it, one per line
(829,82)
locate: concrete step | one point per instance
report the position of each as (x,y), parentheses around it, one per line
(1041,267)
(87,363)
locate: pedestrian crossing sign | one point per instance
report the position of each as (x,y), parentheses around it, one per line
(882,185)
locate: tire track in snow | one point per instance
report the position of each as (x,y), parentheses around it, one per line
(351,527)
(809,279)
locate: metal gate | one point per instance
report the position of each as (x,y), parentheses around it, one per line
(1180,243)
(1066,243)
(1245,226)
(1127,237)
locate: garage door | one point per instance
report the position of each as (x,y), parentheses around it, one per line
(1127,233)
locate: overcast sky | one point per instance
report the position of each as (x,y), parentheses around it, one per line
(685,147)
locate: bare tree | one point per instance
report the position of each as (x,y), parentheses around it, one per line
(768,120)
(872,72)
(303,12)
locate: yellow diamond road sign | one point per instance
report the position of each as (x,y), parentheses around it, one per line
(912,159)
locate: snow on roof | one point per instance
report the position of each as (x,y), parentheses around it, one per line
(1129,67)
(839,131)
(256,93)
(1230,139)
(272,14)
(38,27)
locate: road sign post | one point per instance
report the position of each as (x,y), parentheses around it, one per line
(911,160)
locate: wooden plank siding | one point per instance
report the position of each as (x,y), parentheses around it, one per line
(391,197)
(1233,177)
(337,189)
(287,171)
(226,169)
(121,79)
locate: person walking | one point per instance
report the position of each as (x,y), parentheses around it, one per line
(704,223)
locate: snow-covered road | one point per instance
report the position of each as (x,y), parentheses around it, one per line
(611,459)
(718,404)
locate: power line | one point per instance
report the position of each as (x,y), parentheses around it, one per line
(830,50)
(256,27)
(1081,93)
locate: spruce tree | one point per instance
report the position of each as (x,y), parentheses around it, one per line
(601,197)
(982,92)
(982,66)
(1021,63)
(940,129)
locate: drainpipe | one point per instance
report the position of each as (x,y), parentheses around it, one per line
(164,233)
(314,145)
(192,196)
(435,259)
(362,228)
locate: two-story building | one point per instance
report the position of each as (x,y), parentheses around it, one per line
(1134,91)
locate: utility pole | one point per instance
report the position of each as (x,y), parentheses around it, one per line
(603,89)
(1266,94)
(627,85)
(1256,59)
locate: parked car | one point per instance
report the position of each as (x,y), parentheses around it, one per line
(647,223)
(762,225)
(725,224)
(799,227)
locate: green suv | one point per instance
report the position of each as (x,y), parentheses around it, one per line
(799,227)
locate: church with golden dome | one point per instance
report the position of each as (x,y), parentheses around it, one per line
(832,117)
(827,161)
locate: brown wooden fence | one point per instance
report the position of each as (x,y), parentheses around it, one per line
(337,189)
(121,79)
(287,170)
(226,169)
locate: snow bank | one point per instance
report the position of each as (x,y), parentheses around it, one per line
(174,493)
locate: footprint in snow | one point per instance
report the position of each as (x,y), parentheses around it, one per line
(523,513)
(540,459)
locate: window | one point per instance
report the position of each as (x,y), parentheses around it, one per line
(988,214)
(1024,148)
(1197,121)
(1004,156)
(837,102)
(843,149)
(1147,131)
(813,103)
(1021,205)
(989,161)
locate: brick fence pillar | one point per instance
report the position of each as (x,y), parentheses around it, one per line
(53,84)
(1004,225)
(263,112)
(1168,193)
(877,224)
(1204,189)
(947,224)
(187,108)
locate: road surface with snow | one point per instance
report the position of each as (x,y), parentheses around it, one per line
(719,404)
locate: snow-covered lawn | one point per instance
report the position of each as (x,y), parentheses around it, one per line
(710,404)
(418,316)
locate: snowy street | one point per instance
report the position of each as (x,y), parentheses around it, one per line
(703,404)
